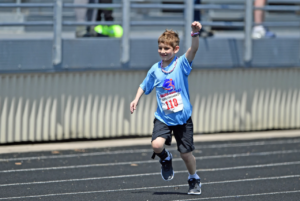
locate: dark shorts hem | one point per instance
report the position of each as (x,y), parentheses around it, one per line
(168,141)
(186,150)
(182,133)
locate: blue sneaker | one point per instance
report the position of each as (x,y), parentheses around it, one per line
(194,186)
(167,172)
(269,34)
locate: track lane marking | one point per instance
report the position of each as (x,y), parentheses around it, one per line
(155,187)
(259,143)
(156,173)
(151,161)
(248,195)
(77,155)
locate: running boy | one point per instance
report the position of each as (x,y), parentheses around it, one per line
(174,110)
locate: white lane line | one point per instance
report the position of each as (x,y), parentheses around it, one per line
(259,143)
(155,187)
(253,179)
(238,196)
(151,161)
(77,155)
(156,173)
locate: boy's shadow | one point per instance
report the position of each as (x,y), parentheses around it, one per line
(161,193)
(169,193)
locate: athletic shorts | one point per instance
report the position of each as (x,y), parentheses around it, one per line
(182,133)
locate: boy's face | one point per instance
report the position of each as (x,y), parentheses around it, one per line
(167,52)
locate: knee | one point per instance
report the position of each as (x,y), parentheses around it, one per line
(187,156)
(157,146)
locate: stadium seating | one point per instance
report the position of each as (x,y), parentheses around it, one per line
(46,14)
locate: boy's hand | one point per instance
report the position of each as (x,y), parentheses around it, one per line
(191,52)
(133,105)
(196,26)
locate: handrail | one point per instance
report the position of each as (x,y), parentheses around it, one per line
(241,7)
(158,6)
(72,23)
(26,5)
(220,7)
(125,6)
(217,7)
(149,23)
(103,5)
(286,1)
(279,24)
(162,6)
(37,23)
(165,23)
(156,23)
(279,8)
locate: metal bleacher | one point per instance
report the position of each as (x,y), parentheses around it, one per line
(226,49)
(46,14)
(39,14)
(270,16)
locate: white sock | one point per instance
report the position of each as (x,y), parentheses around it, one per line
(193,176)
(259,28)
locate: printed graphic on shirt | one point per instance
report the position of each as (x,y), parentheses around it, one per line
(169,85)
(171,101)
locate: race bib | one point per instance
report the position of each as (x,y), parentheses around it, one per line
(171,103)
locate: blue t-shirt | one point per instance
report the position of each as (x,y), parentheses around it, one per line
(172,91)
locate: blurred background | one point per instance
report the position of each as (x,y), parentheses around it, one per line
(70,68)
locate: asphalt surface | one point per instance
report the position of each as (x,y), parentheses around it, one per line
(236,170)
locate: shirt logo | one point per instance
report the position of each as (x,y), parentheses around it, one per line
(169,85)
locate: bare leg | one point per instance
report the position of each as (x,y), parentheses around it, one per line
(259,14)
(193,179)
(190,162)
(158,144)
(80,14)
(260,31)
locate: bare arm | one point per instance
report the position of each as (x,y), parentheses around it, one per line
(191,52)
(134,103)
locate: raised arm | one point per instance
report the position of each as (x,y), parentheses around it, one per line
(191,52)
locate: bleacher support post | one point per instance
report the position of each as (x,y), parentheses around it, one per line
(57,26)
(18,9)
(126,30)
(247,30)
(189,14)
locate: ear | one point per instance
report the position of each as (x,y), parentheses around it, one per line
(176,49)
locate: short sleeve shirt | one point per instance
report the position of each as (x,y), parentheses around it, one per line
(172,91)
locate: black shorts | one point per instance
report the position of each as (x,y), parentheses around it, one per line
(182,133)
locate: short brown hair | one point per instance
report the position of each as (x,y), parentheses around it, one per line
(169,37)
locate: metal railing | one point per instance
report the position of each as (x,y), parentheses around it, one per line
(126,23)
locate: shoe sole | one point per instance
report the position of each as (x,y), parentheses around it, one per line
(199,193)
(167,179)
(194,193)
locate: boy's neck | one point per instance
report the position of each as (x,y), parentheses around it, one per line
(166,63)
